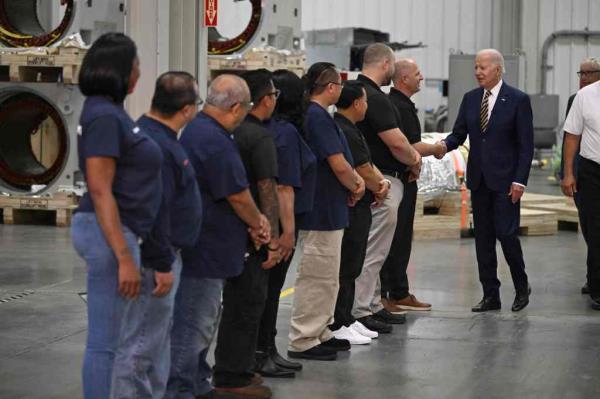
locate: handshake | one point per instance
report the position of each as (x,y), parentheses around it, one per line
(440,149)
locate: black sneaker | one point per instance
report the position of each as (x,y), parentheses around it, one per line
(337,345)
(375,325)
(315,353)
(387,317)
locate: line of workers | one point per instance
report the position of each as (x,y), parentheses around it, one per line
(192,218)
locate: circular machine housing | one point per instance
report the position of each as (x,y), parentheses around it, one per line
(20,24)
(218,45)
(38,127)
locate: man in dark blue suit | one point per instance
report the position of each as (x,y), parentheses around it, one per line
(497,119)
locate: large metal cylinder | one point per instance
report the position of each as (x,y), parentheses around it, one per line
(20,23)
(38,130)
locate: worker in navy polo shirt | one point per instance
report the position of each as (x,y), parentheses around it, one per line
(143,371)
(295,186)
(244,295)
(121,166)
(322,229)
(228,213)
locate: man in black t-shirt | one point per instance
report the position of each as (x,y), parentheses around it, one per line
(244,296)
(394,281)
(352,107)
(391,153)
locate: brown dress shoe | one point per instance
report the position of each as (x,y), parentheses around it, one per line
(410,303)
(249,391)
(391,307)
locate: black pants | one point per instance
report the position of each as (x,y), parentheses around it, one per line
(588,182)
(354,249)
(243,304)
(268,323)
(495,217)
(394,281)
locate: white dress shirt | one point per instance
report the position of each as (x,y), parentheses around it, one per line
(492,98)
(584,120)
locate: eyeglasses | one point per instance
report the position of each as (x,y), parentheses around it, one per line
(275,93)
(586,73)
(246,104)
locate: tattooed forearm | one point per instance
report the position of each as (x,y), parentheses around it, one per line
(269,205)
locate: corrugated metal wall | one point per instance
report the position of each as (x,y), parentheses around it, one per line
(442,25)
(540,19)
(470,25)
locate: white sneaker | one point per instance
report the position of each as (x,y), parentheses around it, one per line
(352,336)
(364,331)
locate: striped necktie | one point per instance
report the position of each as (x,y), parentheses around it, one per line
(483,115)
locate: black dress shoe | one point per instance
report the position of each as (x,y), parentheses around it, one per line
(521,300)
(375,325)
(585,290)
(283,362)
(337,345)
(266,367)
(315,353)
(595,302)
(390,318)
(487,304)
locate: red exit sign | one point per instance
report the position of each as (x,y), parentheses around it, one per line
(211,12)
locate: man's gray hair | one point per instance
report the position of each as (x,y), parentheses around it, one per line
(376,53)
(227,90)
(592,61)
(495,56)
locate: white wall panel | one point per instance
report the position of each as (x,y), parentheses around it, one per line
(540,18)
(442,25)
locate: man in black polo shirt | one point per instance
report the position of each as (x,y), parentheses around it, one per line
(395,295)
(391,153)
(244,296)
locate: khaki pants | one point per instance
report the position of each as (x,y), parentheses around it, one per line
(367,298)
(316,288)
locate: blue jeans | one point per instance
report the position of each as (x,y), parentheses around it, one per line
(105,306)
(195,319)
(142,363)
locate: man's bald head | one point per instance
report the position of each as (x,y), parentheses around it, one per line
(227,90)
(403,67)
(407,76)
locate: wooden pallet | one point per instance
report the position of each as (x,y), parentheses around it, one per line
(433,227)
(56,210)
(566,214)
(529,199)
(46,65)
(538,223)
(533,223)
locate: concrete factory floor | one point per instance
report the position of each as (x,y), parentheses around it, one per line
(550,350)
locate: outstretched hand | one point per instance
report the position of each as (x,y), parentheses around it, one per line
(441,150)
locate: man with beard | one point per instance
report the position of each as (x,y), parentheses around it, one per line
(392,154)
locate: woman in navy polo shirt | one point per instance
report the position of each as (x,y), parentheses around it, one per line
(121,166)
(297,167)
(322,228)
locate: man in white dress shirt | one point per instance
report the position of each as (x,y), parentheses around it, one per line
(582,129)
